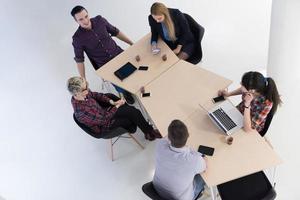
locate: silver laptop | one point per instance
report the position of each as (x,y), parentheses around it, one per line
(226,116)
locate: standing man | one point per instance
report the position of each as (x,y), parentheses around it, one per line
(177,166)
(94,37)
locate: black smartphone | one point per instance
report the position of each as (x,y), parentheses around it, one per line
(143,68)
(146,94)
(209,151)
(217,99)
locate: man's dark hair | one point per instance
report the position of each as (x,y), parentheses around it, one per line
(177,133)
(77,9)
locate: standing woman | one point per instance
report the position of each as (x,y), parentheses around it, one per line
(259,98)
(171,25)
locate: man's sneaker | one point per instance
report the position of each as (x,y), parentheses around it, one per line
(128,97)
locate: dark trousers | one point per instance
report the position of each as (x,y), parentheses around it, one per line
(188,48)
(128,117)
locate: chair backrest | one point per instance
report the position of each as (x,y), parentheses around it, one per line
(198,32)
(267,124)
(86,129)
(252,187)
(150,191)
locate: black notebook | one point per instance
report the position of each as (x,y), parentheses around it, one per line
(125,71)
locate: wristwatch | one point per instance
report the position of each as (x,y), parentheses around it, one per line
(111,102)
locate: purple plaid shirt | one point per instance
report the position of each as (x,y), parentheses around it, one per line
(91,114)
(97,43)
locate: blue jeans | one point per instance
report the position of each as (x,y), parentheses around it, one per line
(198,185)
(120,90)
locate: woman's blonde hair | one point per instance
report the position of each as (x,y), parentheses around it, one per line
(160,9)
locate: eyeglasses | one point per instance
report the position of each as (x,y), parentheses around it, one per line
(86,87)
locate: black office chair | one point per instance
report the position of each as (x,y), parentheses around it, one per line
(198,32)
(150,191)
(252,187)
(267,124)
(114,133)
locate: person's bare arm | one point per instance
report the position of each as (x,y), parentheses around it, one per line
(238,91)
(124,38)
(225,93)
(247,112)
(247,120)
(81,69)
(178,49)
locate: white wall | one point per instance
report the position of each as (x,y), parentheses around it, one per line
(283,66)
(43,155)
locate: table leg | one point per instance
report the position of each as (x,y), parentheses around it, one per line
(212,193)
(144,112)
(273,176)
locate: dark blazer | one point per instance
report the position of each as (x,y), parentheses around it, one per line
(182,30)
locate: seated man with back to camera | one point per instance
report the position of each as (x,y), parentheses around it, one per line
(103,112)
(177,166)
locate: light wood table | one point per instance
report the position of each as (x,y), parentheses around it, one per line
(139,78)
(249,152)
(176,94)
(177,88)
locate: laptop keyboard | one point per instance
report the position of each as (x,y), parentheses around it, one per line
(224,119)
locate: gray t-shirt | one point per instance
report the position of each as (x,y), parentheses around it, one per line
(175,169)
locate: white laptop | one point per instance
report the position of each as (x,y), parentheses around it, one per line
(226,116)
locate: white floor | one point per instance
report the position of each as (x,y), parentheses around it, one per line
(44,155)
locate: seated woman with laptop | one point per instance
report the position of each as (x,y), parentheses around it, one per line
(259,99)
(172,26)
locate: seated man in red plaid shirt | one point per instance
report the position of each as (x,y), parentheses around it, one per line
(103,112)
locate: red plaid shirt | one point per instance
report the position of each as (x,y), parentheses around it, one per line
(260,108)
(90,113)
